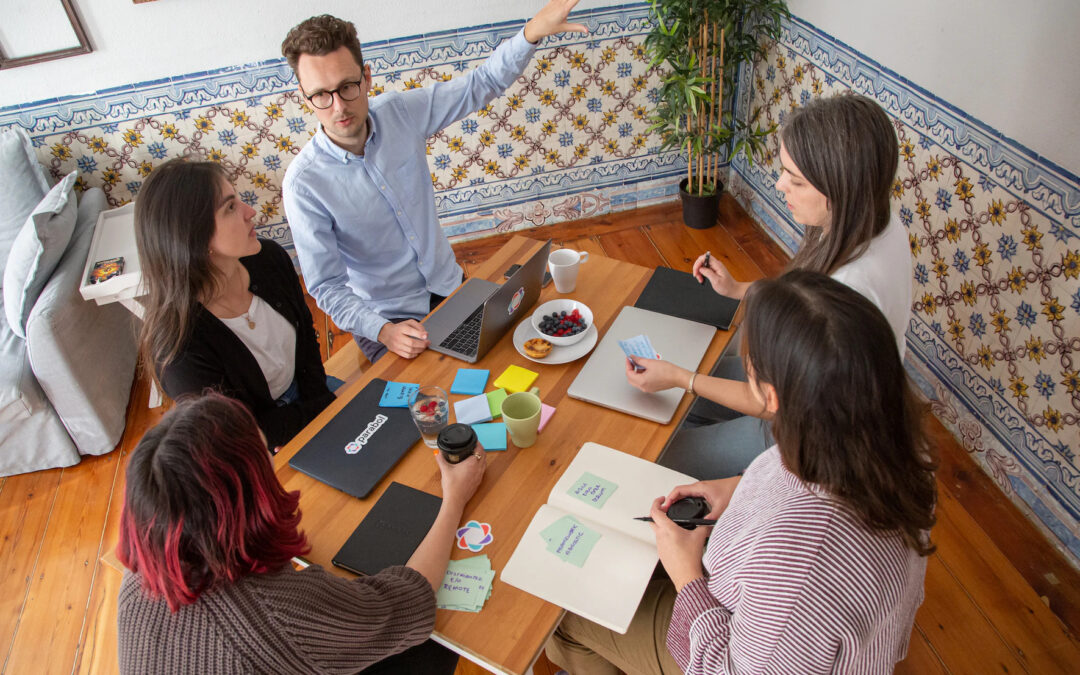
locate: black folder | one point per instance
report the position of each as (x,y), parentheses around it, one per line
(390,532)
(679,294)
(360,445)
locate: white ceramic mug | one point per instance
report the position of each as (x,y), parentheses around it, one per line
(563,265)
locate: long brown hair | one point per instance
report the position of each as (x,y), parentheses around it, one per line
(845,146)
(174,223)
(202,506)
(848,419)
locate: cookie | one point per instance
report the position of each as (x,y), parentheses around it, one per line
(537,348)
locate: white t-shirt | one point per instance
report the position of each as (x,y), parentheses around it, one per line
(272,342)
(883,275)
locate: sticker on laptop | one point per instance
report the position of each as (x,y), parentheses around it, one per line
(515,301)
(353,446)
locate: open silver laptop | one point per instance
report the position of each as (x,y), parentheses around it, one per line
(469,323)
(602,379)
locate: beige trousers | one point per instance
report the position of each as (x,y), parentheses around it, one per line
(582,647)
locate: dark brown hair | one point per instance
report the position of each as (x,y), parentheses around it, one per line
(202,506)
(845,146)
(319,36)
(174,223)
(848,419)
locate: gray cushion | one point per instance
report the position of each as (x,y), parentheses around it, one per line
(22,185)
(36,251)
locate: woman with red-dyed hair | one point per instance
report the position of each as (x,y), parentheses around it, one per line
(207,532)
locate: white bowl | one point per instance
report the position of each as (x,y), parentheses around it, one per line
(557,306)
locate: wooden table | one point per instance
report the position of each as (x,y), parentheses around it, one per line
(508,634)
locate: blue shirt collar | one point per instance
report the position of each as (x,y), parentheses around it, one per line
(336,151)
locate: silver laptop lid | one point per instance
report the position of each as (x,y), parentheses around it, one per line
(602,379)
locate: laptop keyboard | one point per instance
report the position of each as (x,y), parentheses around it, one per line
(465,339)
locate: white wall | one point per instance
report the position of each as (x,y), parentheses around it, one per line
(1013,65)
(135,43)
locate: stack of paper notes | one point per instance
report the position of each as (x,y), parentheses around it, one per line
(467,584)
(570,540)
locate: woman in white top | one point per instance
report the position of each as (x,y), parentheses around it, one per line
(225,309)
(838,160)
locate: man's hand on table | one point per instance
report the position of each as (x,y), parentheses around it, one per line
(552,20)
(408,339)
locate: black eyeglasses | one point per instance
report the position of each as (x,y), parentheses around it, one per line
(350,91)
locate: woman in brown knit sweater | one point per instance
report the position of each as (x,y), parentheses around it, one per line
(207,533)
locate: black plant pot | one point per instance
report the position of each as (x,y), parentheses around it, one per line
(700,212)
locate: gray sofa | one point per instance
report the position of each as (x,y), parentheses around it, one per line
(66,365)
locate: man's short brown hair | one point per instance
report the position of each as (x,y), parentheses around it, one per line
(319,36)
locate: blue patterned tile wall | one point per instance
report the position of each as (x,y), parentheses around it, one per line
(994,228)
(568,140)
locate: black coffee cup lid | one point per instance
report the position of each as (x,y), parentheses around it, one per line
(457,438)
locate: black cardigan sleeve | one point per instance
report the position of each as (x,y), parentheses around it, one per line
(214,358)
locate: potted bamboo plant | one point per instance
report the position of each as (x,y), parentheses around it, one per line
(701,44)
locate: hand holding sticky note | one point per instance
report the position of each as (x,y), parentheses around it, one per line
(638,346)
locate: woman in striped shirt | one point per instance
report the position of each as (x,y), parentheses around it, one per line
(816,564)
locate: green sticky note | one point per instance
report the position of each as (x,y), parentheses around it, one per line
(466,584)
(574,543)
(592,489)
(495,398)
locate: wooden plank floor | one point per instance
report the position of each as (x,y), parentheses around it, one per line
(999,598)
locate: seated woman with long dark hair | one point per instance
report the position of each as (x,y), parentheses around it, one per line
(208,532)
(224,308)
(838,161)
(817,561)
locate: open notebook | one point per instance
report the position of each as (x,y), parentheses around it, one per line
(600,578)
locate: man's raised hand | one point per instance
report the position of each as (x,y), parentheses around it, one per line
(552,20)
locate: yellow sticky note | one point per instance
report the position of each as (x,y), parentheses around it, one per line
(515,379)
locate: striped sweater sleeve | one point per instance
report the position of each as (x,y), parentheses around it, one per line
(706,637)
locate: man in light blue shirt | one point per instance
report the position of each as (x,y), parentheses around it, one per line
(359,197)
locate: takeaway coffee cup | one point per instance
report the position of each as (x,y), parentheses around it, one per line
(563,265)
(457,442)
(521,414)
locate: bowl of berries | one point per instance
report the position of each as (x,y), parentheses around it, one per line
(562,322)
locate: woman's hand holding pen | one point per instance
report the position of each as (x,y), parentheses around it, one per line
(712,270)
(680,550)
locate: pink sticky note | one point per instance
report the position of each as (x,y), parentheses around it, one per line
(546,412)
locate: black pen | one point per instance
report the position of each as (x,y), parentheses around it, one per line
(683,521)
(708,257)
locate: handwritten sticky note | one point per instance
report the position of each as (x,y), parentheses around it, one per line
(397,394)
(495,399)
(546,411)
(570,540)
(592,489)
(470,381)
(466,585)
(515,379)
(492,436)
(472,410)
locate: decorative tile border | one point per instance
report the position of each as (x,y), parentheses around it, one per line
(570,136)
(995,237)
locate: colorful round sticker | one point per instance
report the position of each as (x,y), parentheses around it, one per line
(474,536)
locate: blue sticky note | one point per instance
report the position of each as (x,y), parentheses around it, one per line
(470,381)
(397,394)
(472,410)
(492,436)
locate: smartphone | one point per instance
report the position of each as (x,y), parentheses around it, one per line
(515,267)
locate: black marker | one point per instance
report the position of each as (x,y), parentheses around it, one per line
(683,521)
(708,257)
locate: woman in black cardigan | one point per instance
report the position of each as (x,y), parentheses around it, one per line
(224,309)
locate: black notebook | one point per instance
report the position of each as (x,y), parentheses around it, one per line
(390,532)
(360,445)
(679,294)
